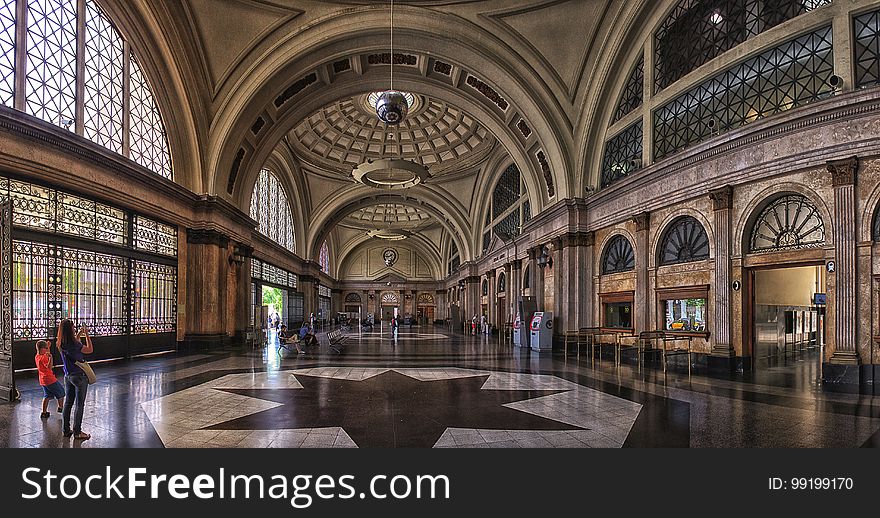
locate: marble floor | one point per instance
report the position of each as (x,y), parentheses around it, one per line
(432,388)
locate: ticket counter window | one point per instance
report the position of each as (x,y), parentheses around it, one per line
(686,315)
(618,315)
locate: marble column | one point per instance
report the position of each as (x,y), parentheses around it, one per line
(206,284)
(641,299)
(576,273)
(843,179)
(722,200)
(243,300)
(492,299)
(537,278)
(514,287)
(507,313)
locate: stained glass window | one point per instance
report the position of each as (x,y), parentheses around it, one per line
(685,240)
(697,31)
(51,61)
(618,256)
(324,258)
(270,207)
(7,52)
(148,143)
(632,94)
(788,222)
(866,47)
(103,65)
(790,75)
(623,154)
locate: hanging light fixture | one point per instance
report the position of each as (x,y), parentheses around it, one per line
(392,106)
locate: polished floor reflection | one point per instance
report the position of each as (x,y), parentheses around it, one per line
(434,388)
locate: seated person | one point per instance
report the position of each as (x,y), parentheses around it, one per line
(284,340)
(306,336)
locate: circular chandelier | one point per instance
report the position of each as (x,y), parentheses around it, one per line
(389,234)
(390,173)
(392,106)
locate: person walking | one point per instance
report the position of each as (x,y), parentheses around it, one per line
(76,383)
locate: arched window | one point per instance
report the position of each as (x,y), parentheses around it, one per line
(271,208)
(618,256)
(509,207)
(485,287)
(50,57)
(789,222)
(353,298)
(526,281)
(324,258)
(425,299)
(502,283)
(454,257)
(685,240)
(875,226)
(389,298)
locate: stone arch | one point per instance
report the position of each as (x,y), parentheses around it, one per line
(617,231)
(657,236)
(742,229)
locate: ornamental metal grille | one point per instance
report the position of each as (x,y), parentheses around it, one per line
(272,274)
(623,154)
(790,75)
(93,289)
(389,298)
(103,99)
(789,222)
(618,256)
(49,210)
(324,307)
(324,258)
(508,227)
(353,298)
(684,241)
(697,31)
(527,211)
(154,297)
(324,291)
(7,52)
(87,219)
(633,92)
(866,47)
(506,191)
(152,236)
(51,60)
(425,299)
(149,144)
(31,291)
(270,206)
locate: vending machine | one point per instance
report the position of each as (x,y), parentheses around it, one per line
(517,330)
(542,331)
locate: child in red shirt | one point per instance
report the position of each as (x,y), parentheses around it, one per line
(52,388)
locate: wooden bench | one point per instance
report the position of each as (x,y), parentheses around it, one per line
(667,344)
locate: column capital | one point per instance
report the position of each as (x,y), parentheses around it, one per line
(198,236)
(490,273)
(843,172)
(578,239)
(722,198)
(641,221)
(516,264)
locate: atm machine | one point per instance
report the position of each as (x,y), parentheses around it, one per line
(542,331)
(526,307)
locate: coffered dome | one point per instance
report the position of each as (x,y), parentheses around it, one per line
(385,214)
(347,133)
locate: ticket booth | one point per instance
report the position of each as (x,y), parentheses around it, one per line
(542,331)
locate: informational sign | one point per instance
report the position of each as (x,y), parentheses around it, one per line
(820,299)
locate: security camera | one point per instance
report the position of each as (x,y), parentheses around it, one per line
(589,189)
(711,124)
(635,163)
(835,82)
(67,123)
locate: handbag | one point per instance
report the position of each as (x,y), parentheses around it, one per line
(88,371)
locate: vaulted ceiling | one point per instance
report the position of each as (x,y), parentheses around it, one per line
(285,84)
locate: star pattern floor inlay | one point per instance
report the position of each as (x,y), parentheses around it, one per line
(402,407)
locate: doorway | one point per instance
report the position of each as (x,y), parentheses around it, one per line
(788,314)
(274,299)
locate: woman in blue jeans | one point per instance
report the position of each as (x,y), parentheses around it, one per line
(75,382)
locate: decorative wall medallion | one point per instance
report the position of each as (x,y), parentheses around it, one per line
(390,257)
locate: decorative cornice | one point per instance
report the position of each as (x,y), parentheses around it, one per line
(843,172)
(642,220)
(244,250)
(577,239)
(198,236)
(722,198)
(490,274)
(472,279)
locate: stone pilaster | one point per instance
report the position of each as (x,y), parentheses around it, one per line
(843,179)
(207,264)
(492,299)
(537,278)
(642,223)
(577,280)
(722,200)
(243,302)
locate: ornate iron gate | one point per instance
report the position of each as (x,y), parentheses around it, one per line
(7,374)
